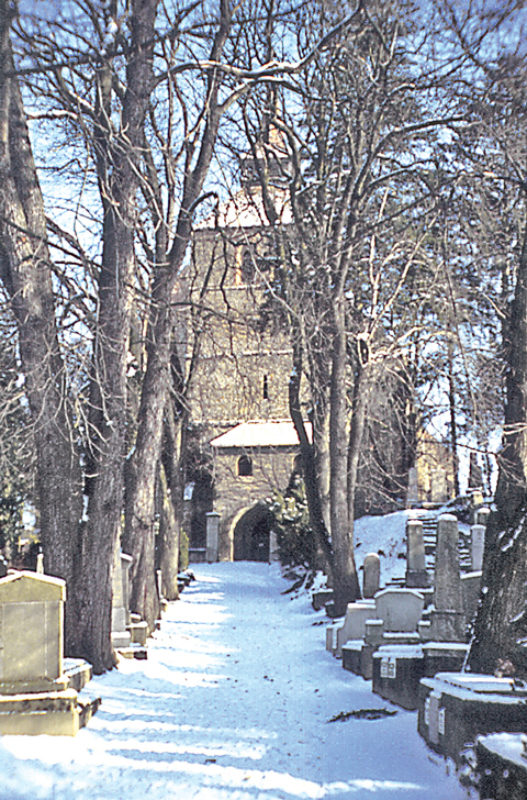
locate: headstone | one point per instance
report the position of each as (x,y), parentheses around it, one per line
(416,574)
(120,600)
(447,620)
(274,553)
(412,493)
(399,609)
(354,623)
(213,529)
(477,545)
(31,632)
(37,693)
(371,576)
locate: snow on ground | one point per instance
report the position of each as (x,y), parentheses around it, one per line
(386,532)
(233,703)
(386,535)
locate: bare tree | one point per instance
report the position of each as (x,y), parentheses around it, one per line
(352,161)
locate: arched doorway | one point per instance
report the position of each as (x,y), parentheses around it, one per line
(252,535)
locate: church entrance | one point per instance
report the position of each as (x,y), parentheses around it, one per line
(252,535)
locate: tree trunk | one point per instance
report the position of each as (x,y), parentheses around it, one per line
(452,405)
(169,540)
(25,270)
(346,584)
(501,614)
(143,466)
(313,495)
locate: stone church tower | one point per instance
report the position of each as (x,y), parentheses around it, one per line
(239,401)
(239,392)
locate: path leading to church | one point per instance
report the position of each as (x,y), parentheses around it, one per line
(233,703)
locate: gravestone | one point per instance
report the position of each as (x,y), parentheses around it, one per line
(354,623)
(274,550)
(372,575)
(31,632)
(213,529)
(454,708)
(399,609)
(412,493)
(477,545)
(416,574)
(447,620)
(35,697)
(121,637)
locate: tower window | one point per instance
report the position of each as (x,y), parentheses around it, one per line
(247,266)
(265,388)
(245,466)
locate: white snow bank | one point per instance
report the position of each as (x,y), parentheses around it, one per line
(233,703)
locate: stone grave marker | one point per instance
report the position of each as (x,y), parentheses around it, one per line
(371,575)
(477,545)
(447,619)
(399,609)
(34,693)
(416,574)
(213,530)
(412,493)
(121,637)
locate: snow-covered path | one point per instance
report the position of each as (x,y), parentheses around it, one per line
(232,704)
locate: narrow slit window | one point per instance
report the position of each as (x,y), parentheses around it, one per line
(265,388)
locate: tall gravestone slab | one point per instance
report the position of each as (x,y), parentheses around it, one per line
(416,574)
(213,532)
(477,545)
(120,600)
(447,619)
(371,575)
(412,493)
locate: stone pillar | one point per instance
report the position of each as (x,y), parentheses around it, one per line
(126,563)
(372,575)
(412,494)
(120,598)
(416,574)
(477,545)
(213,531)
(40,564)
(447,619)
(274,554)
